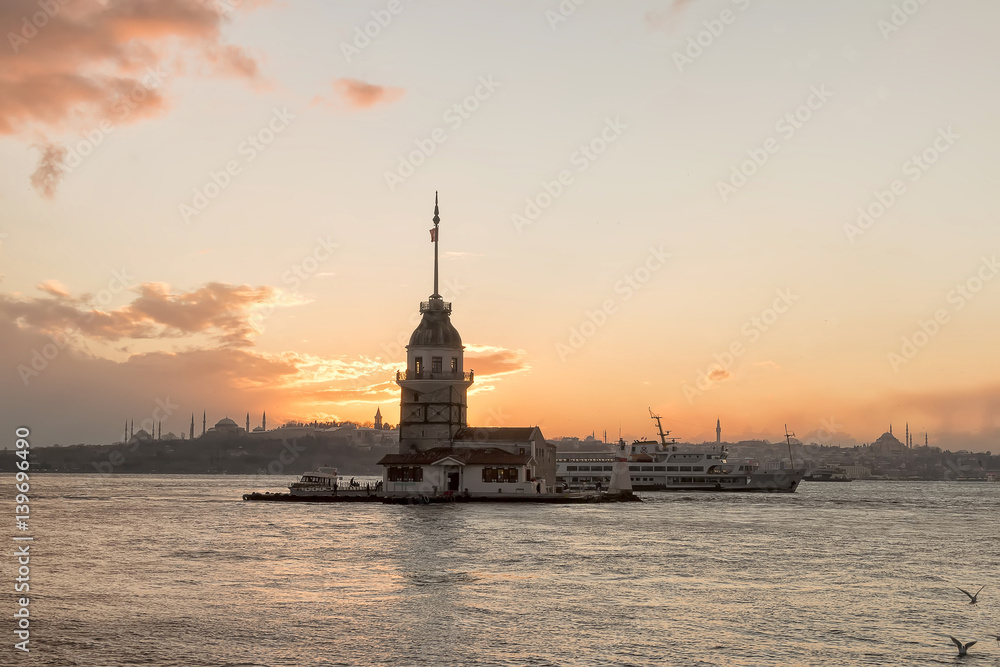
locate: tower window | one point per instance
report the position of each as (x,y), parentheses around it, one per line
(435,364)
(418,365)
(454,365)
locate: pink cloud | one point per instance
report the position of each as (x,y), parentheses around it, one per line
(93,61)
(361,95)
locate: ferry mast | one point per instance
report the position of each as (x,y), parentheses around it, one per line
(659,428)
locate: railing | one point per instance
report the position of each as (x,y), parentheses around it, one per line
(426,305)
(435,375)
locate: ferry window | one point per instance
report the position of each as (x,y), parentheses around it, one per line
(633,468)
(609,468)
(520,450)
(418,365)
(658,468)
(697,469)
(685,468)
(647,468)
(454,365)
(671,468)
(568,468)
(435,364)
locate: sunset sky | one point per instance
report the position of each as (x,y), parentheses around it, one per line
(767,212)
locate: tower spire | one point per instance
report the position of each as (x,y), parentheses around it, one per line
(435,234)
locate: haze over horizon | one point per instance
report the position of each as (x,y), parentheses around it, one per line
(768,213)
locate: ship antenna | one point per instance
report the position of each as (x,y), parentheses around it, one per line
(788,439)
(659,427)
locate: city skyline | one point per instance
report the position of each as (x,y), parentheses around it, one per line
(703,208)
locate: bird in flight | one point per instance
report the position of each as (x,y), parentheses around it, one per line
(971,596)
(962,648)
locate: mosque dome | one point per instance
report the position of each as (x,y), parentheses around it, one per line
(226,422)
(435,328)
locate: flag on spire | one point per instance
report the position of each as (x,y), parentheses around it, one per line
(434,235)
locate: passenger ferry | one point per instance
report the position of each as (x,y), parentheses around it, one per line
(667,466)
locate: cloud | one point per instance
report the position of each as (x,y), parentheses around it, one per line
(719,375)
(492,361)
(361,95)
(665,19)
(94,61)
(220,310)
(50,169)
(62,349)
(53,287)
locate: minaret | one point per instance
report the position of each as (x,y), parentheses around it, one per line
(263,423)
(131,430)
(204,422)
(125,437)
(191,434)
(925,438)
(248,422)
(434,387)
(378,419)
(907,434)
(159,430)
(718,431)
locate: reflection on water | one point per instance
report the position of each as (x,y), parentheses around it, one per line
(176,570)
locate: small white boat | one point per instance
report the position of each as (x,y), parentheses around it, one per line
(322,482)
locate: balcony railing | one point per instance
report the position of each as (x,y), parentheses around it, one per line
(435,375)
(433,305)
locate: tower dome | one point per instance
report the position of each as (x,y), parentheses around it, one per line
(435,328)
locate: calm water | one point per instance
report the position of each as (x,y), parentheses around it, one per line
(177,570)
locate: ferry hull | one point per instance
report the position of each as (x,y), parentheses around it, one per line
(754,483)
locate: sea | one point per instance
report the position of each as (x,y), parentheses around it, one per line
(179,570)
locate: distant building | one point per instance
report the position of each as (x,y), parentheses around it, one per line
(888,445)
(438,451)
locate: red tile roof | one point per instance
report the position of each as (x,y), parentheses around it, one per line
(465,455)
(495,433)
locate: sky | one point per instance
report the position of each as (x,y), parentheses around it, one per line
(766,213)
